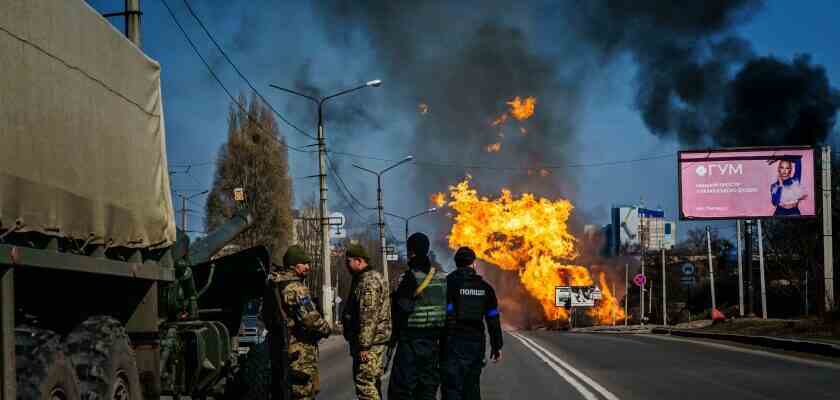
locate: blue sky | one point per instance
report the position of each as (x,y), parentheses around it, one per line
(608,126)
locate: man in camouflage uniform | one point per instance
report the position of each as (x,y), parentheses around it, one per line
(367,323)
(305,324)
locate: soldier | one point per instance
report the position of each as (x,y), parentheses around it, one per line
(367,323)
(419,310)
(305,324)
(471,303)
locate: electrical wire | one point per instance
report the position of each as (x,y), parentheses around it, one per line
(241,75)
(219,81)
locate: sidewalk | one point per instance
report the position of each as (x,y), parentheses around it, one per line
(777,334)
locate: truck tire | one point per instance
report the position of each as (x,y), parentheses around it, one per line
(43,371)
(252,381)
(104,360)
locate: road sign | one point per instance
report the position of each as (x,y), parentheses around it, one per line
(639,280)
(337,300)
(239,194)
(596,294)
(688,269)
(392,257)
(336,222)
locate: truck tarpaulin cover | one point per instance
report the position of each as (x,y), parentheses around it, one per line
(82,143)
(747,183)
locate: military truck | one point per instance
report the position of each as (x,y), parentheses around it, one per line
(101,296)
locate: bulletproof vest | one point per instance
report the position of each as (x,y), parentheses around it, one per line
(429,306)
(470,299)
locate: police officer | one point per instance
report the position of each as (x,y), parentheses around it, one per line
(419,308)
(471,303)
(367,323)
(305,324)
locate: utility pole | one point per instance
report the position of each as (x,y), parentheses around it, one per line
(828,255)
(740,242)
(711,268)
(642,287)
(613,292)
(761,271)
(132,21)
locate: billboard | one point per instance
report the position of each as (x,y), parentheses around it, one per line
(635,228)
(747,183)
(576,296)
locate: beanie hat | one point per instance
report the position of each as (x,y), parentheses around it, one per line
(418,244)
(355,250)
(295,255)
(465,256)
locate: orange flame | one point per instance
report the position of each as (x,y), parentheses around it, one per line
(522,109)
(494,147)
(439,199)
(501,120)
(529,235)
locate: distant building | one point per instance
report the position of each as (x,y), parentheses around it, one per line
(635,228)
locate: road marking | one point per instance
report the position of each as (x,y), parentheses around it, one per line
(815,363)
(588,395)
(595,385)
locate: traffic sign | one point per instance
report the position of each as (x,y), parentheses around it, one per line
(688,269)
(336,222)
(392,257)
(639,280)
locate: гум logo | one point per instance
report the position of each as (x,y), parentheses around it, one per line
(700,171)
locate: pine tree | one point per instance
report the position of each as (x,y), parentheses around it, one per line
(256,159)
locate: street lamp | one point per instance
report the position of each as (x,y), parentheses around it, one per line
(406,219)
(381,209)
(322,175)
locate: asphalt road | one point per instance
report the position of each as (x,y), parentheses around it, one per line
(553,365)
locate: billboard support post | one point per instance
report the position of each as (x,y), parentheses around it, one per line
(748,268)
(711,268)
(664,292)
(626,290)
(828,255)
(761,272)
(740,257)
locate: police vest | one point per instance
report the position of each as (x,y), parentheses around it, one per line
(430,305)
(470,299)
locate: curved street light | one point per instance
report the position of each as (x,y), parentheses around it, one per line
(380,207)
(322,175)
(407,219)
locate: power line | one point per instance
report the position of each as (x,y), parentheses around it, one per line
(219,81)
(241,75)
(507,168)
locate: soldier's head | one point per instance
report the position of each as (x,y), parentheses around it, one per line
(417,245)
(297,260)
(464,257)
(356,258)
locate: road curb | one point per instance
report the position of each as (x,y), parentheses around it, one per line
(797,345)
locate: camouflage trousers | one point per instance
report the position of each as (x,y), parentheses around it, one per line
(303,374)
(368,374)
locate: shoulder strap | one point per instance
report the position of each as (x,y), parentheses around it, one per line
(423,285)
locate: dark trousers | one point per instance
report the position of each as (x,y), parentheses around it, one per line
(279,353)
(415,374)
(463,362)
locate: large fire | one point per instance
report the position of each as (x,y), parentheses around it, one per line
(529,235)
(522,109)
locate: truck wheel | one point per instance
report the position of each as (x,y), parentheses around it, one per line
(43,371)
(252,380)
(104,360)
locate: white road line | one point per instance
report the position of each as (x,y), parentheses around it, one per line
(570,379)
(813,363)
(595,385)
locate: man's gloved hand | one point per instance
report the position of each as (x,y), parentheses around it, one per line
(496,356)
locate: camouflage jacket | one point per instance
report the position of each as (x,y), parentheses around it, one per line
(367,315)
(304,322)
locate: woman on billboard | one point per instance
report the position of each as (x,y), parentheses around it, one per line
(787,192)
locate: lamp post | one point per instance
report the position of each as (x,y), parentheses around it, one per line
(381,208)
(322,175)
(406,219)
